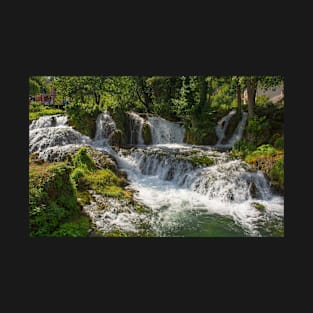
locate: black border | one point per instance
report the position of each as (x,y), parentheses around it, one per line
(164,50)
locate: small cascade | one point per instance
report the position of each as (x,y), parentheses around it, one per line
(49,121)
(225,179)
(52,131)
(164,132)
(136,124)
(182,192)
(237,135)
(222,126)
(220,130)
(105,128)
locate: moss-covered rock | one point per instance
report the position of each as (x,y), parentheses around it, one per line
(116,138)
(78,227)
(103,160)
(260,207)
(277,175)
(52,197)
(122,124)
(146,134)
(202,160)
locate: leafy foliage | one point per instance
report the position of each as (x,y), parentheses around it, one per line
(277,174)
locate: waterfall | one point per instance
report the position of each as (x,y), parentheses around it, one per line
(225,179)
(181,191)
(164,131)
(221,127)
(136,124)
(49,121)
(238,131)
(105,128)
(51,133)
(190,189)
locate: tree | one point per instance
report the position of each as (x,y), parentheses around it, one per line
(251,84)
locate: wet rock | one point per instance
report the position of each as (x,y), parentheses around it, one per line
(123,174)
(253,190)
(116,138)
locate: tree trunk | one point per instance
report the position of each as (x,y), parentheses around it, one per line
(146,95)
(238,99)
(251,92)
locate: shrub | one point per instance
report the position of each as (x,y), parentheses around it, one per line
(82,116)
(83,160)
(52,197)
(277,174)
(242,148)
(78,228)
(279,143)
(258,130)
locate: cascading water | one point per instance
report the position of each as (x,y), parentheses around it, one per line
(178,189)
(222,126)
(105,128)
(49,121)
(136,125)
(164,132)
(50,137)
(191,190)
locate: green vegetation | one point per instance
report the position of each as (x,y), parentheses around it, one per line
(83,116)
(58,191)
(37,109)
(277,174)
(197,101)
(258,206)
(79,227)
(52,197)
(267,159)
(203,160)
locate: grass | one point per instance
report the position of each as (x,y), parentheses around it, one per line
(37,110)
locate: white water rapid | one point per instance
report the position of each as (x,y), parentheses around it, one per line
(191,190)
(164,132)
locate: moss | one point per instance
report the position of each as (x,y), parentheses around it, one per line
(258,206)
(203,160)
(83,197)
(102,160)
(277,174)
(121,121)
(52,197)
(146,132)
(78,227)
(42,111)
(83,160)
(104,182)
(83,118)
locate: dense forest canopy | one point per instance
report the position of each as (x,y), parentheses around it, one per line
(168,96)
